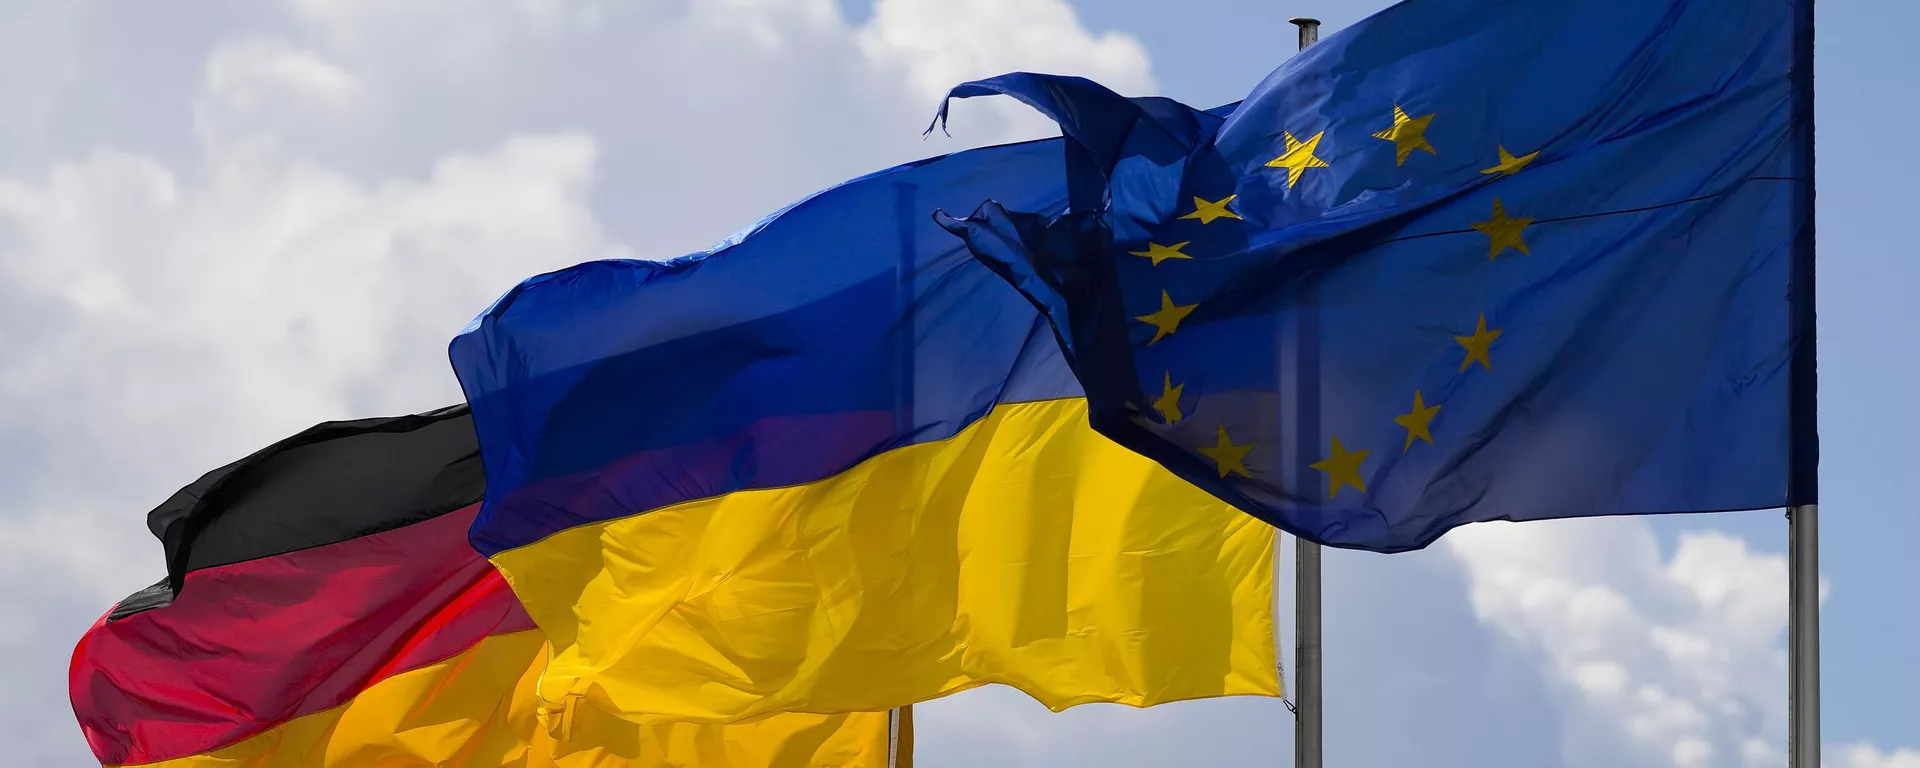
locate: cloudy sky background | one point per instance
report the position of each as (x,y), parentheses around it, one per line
(221,222)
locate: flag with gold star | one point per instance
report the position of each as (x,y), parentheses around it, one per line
(1467,260)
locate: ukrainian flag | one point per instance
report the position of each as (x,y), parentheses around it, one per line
(836,465)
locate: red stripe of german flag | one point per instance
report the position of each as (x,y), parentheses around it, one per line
(247,646)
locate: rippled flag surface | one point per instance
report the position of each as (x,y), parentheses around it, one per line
(323,608)
(1467,260)
(837,465)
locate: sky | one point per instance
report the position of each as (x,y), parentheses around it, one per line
(222,222)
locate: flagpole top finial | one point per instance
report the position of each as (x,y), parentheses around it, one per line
(1309,30)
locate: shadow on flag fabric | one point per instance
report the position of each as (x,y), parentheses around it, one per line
(837,465)
(1466,260)
(323,608)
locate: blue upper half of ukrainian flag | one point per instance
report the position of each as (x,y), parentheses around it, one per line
(838,465)
(845,326)
(1467,260)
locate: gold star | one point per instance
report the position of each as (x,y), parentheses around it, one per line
(1206,211)
(1416,421)
(1510,165)
(1478,345)
(1167,320)
(1503,231)
(1298,157)
(1169,403)
(1407,135)
(1228,457)
(1342,468)
(1160,253)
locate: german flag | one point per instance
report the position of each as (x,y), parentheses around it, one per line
(322,607)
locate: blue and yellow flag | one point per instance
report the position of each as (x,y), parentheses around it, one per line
(838,465)
(1467,260)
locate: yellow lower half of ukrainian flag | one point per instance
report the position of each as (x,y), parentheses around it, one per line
(1026,550)
(477,709)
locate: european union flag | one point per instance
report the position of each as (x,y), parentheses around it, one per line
(1467,260)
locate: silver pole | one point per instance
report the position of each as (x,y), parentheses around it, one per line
(1309,30)
(1803,636)
(898,719)
(1306,595)
(1803,522)
(1306,654)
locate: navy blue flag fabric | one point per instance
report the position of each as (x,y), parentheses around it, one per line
(1466,260)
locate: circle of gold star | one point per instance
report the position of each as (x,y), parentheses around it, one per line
(1479,345)
(1159,253)
(1230,458)
(1407,135)
(1510,165)
(1167,320)
(1298,157)
(1169,403)
(1417,421)
(1342,468)
(1503,231)
(1207,211)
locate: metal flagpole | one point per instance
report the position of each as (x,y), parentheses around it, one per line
(1803,636)
(899,748)
(1306,594)
(1803,520)
(1306,654)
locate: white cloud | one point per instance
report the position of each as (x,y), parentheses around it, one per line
(1867,756)
(939,47)
(37,58)
(710,112)
(1681,659)
(447,33)
(276,289)
(255,87)
(1761,753)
